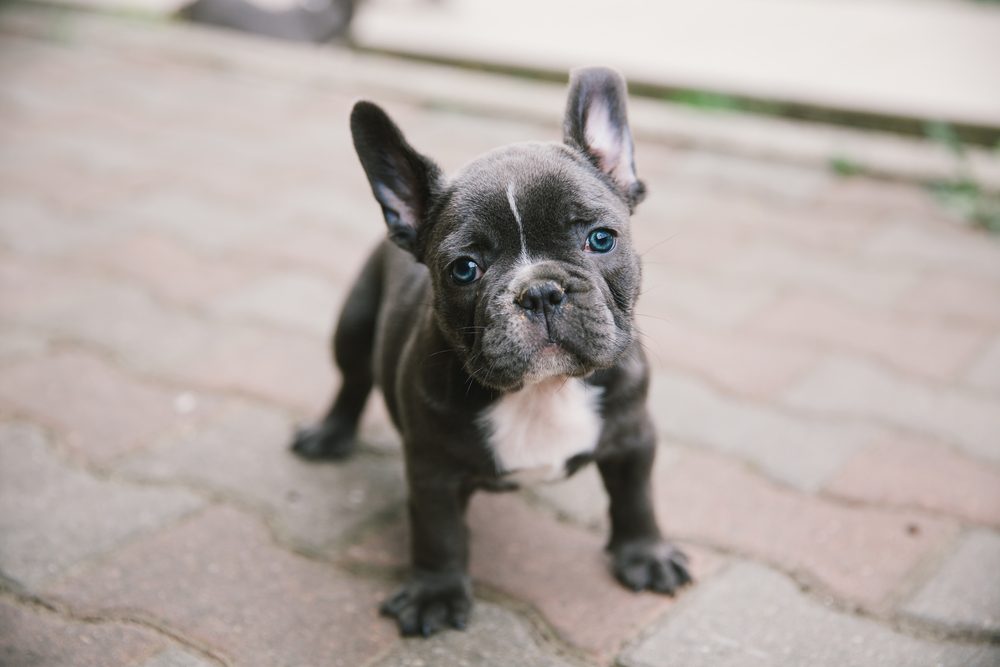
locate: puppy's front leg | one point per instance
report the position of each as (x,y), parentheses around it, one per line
(438,592)
(641,558)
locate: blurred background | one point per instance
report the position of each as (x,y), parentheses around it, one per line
(182,212)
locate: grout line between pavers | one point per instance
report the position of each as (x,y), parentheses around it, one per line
(811,585)
(156,626)
(808,583)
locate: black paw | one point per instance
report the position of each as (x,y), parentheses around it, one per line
(326,440)
(430,602)
(654,565)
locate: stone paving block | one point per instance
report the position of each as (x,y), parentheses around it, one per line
(206,222)
(933,349)
(290,367)
(286,367)
(855,389)
(82,306)
(335,248)
(98,411)
(582,497)
(169,269)
(862,555)
(289,299)
(751,616)
(956,298)
(965,592)
(773,263)
(53,516)
(958,250)
(797,450)
(494,638)
(30,636)
(985,371)
(19,344)
(903,472)
(559,569)
(770,262)
(221,582)
(31,227)
(243,453)
(175,657)
(731,360)
(675,295)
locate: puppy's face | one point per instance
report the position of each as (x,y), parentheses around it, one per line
(528,248)
(532,264)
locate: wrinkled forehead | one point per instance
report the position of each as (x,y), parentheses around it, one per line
(530,188)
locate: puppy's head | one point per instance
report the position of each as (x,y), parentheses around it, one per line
(528,247)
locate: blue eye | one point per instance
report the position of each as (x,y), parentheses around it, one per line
(600,240)
(465,271)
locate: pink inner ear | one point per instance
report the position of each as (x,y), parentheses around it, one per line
(611,146)
(406,215)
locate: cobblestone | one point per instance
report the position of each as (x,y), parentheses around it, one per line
(859,554)
(242,453)
(221,581)
(856,389)
(931,349)
(495,638)
(48,514)
(71,392)
(752,616)
(797,450)
(902,472)
(32,636)
(965,592)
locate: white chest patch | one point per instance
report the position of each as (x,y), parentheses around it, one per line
(534,431)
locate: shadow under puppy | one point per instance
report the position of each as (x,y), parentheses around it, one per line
(498,320)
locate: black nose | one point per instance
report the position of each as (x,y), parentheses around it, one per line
(539,298)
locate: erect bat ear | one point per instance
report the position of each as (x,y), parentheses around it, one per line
(403,181)
(597,123)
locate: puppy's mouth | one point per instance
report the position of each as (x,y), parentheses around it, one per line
(532,362)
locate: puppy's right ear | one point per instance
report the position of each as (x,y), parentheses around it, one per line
(403,181)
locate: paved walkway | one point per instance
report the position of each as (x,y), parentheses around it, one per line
(180,214)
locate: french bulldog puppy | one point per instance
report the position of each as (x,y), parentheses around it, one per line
(498,321)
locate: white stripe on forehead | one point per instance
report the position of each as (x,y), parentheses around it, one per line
(517,217)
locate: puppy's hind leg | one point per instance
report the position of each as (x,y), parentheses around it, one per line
(353,344)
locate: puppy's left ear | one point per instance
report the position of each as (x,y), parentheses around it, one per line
(597,123)
(403,181)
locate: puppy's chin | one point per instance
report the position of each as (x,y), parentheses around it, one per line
(551,361)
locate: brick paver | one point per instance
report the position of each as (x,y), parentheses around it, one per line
(239,454)
(71,392)
(177,228)
(33,636)
(220,580)
(784,626)
(495,638)
(965,593)
(564,586)
(53,517)
(907,473)
(857,389)
(794,448)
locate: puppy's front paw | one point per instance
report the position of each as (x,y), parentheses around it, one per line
(326,440)
(655,565)
(429,602)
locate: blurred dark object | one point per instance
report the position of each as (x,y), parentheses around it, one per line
(308,21)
